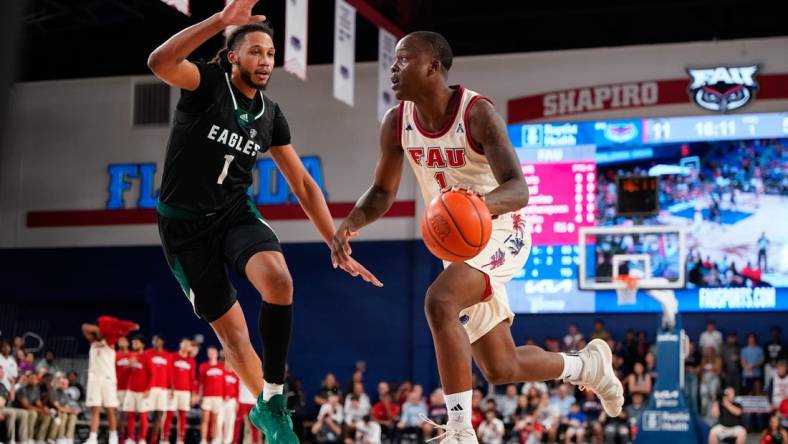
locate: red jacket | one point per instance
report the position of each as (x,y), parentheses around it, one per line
(183,372)
(160,367)
(113,328)
(122,369)
(139,373)
(231,384)
(212,379)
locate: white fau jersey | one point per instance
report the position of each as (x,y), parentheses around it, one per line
(101,361)
(446,157)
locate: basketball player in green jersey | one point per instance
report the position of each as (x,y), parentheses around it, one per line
(206,220)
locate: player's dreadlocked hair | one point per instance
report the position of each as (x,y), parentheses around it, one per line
(439,45)
(234,40)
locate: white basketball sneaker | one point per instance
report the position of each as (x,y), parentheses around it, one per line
(454,433)
(598,376)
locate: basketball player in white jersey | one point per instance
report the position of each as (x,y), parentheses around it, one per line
(452,137)
(102,390)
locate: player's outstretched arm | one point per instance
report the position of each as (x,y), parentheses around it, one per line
(378,198)
(311,198)
(168,61)
(489,131)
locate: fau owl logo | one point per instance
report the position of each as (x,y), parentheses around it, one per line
(723,88)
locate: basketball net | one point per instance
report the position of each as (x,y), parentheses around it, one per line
(627,289)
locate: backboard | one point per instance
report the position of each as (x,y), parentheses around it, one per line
(654,254)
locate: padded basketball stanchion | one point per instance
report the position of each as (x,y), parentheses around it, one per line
(668,418)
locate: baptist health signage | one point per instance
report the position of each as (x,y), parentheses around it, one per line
(668,419)
(272,188)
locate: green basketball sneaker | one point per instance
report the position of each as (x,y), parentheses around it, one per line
(273,418)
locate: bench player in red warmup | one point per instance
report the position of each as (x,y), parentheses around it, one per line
(137,392)
(183,374)
(211,378)
(160,384)
(452,137)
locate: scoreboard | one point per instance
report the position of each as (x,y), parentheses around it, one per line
(650,131)
(562,164)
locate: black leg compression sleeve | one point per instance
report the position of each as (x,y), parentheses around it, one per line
(276,328)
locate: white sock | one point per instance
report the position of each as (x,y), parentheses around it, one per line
(269,390)
(572,367)
(113,437)
(459,406)
(93,436)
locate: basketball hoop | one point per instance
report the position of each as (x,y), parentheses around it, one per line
(627,288)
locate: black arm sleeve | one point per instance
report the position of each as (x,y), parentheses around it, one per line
(281,132)
(211,77)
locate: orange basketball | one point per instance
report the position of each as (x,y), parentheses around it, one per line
(456,226)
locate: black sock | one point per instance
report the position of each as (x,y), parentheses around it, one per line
(276,328)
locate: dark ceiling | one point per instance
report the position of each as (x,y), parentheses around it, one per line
(88,38)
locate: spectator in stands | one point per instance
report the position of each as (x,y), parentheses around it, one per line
(774,353)
(728,413)
(211,380)
(8,364)
(548,416)
(576,425)
(752,359)
(634,410)
(615,430)
(26,364)
(412,412)
(328,387)
(28,397)
(363,400)
(732,362)
(691,377)
(383,388)
(711,337)
(328,427)
(75,389)
(639,381)
(353,414)
(491,429)
(16,419)
(402,392)
(19,345)
(477,414)
(368,431)
(356,377)
(710,367)
(592,408)
(437,413)
(529,431)
(599,331)
(386,413)
(774,432)
(572,338)
(67,413)
(540,387)
(778,386)
(508,404)
(48,363)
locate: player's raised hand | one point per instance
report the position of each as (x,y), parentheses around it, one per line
(355,269)
(239,13)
